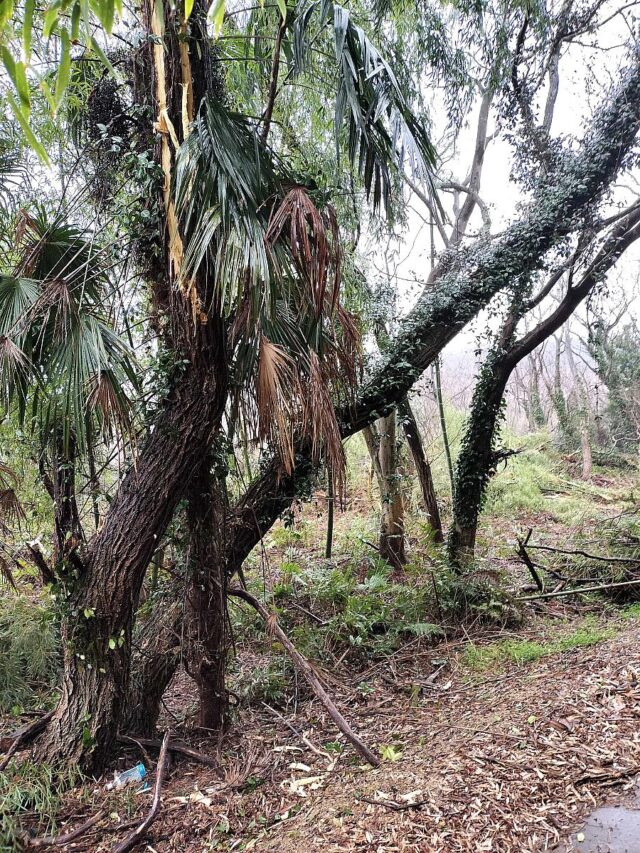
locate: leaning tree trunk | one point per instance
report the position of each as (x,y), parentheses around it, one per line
(458,289)
(423,468)
(477,458)
(97,633)
(154,662)
(204,644)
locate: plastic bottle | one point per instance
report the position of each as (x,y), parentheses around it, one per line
(127,777)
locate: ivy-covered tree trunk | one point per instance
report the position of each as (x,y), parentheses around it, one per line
(476,458)
(478,455)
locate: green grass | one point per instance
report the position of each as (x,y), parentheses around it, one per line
(33,788)
(632,611)
(520,652)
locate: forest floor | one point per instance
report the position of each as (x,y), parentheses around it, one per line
(482,749)
(490,739)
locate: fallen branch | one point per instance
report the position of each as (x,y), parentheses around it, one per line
(180,748)
(586,554)
(526,559)
(307,670)
(24,735)
(581,591)
(395,807)
(139,833)
(59,840)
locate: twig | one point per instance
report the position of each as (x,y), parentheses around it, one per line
(139,833)
(173,747)
(305,740)
(24,735)
(307,670)
(573,591)
(396,807)
(59,840)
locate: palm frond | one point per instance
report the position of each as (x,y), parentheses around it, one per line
(275,388)
(314,245)
(57,352)
(223,182)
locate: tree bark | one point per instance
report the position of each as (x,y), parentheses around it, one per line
(391,542)
(204,645)
(443,422)
(155,660)
(423,468)
(97,634)
(478,457)
(460,286)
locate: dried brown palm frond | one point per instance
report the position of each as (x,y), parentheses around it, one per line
(321,424)
(314,245)
(276,388)
(53,305)
(107,399)
(12,355)
(6,573)
(349,346)
(10,506)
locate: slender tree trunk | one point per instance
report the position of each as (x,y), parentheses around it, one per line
(443,423)
(585,409)
(204,646)
(330,510)
(392,516)
(423,468)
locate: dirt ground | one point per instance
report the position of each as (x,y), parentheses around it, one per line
(512,759)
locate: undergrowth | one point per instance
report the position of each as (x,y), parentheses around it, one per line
(36,789)
(29,647)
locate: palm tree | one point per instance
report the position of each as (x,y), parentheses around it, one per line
(63,370)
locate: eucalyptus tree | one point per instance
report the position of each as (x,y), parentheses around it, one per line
(480,454)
